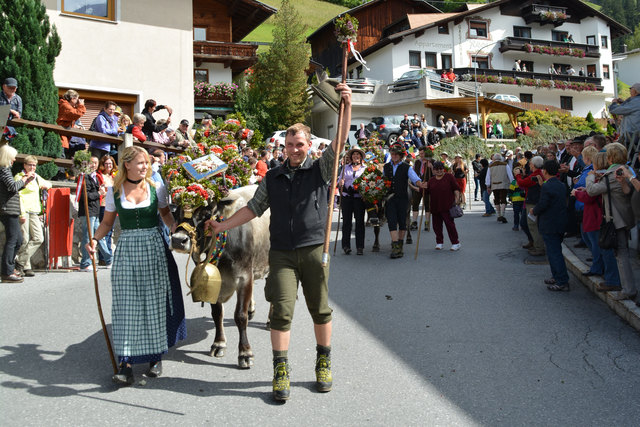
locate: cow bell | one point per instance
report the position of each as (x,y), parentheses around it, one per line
(205,283)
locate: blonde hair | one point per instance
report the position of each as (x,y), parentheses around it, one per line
(589,153)
(300,127)
(7,155)
(123,118)
(31,159)
(600,161)
(128,154)
(616,153)
(68,95)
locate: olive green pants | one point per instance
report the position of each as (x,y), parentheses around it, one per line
(286,270)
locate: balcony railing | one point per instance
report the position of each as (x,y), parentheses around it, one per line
(213,100)
(525,78)
(222,50)
(544,14)
(519,44)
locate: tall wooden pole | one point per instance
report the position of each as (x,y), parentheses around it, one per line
(334,177)
(95,279)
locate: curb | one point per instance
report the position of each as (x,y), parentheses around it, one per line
(626,309)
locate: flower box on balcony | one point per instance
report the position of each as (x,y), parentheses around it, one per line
(557,51)
(215,92)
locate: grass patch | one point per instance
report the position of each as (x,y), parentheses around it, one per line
(314,14)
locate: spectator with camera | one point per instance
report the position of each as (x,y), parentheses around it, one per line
(150,125)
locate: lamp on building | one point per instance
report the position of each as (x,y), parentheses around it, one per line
(475,78)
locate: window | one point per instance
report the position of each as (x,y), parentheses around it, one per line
(605,72)
(414,59)
(526,97)
(591,40)
(559,36)
(526,66)
(200,75)
(199,34)
(430,60)
(604,42)
(563,67)
(99,9)
(524,32)
(443,29)
(482,62)
(446,61)
(566,102)
(478,29)
(591,70)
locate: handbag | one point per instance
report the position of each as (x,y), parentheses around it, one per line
(456,211)
(608,238)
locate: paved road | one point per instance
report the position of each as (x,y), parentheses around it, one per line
(466,338)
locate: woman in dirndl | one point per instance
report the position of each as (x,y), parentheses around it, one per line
(147,312)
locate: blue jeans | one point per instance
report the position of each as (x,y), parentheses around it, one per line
(488,207)
(107,238)
(102,246)
(553,246)
(476,181)
(12,244)
(524,225)
(517,211)
(604,260)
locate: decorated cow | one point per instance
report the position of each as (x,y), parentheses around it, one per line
(211,181)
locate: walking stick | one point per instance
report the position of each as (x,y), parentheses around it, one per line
(424,176)
(95,279)
(334,176)
(335,243)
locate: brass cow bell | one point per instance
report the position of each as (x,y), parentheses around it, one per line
(205,283)
(205,280)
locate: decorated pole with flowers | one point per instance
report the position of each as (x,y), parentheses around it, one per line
(81,163)
(346,32)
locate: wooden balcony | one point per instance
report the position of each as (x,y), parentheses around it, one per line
(543,14)
(238,56)
(213,101)
(492,76)
(519,44)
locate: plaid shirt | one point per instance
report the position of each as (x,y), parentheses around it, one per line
(260,201)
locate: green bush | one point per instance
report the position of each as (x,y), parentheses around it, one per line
(468,147)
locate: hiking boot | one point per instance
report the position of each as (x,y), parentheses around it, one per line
(281,385)
(395,250)
(414,225)
(324,380)
(400,251)
(124,375)
(528,245)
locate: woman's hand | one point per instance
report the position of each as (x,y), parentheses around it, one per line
(91,247)
(22,219)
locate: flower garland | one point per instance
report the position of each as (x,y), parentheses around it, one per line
(557,51)
(553,16)
(372,185)
(346,28)
(543,83)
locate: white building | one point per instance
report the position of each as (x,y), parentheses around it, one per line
(131,51)
(627,65)
(485,41)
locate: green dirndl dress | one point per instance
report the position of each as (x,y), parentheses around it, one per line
(140,285)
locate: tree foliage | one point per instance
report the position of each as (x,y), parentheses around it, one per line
(625,12)
(274,95)
(28,48)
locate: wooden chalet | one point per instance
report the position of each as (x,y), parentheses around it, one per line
(373,18)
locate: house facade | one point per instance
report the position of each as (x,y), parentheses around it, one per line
(483,42)
(626,65)
(131,51)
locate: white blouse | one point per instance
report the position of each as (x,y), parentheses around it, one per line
(161,193)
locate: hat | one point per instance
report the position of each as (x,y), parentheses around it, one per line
(118,110)
(397,149)
(10,81)
(444,153)
(457,155)
(184,122)
(509,153)
(635,87)
(354,150)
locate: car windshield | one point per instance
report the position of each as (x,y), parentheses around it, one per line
(411,75)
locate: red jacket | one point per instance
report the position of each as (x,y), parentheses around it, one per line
(67,116)
(592,215)
(136,131)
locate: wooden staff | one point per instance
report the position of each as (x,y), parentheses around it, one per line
(424,176)
(95,279)
(335,244)
(334,176)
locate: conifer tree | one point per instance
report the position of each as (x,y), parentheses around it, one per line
(28,48)
(275,96)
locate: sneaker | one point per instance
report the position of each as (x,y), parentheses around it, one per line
(324,380)
(108,266)
(439,247)
(86,269)
(486,214)
(124,375)
(12,278)
(455,247)
(281,385)
(155,369)
(29,273)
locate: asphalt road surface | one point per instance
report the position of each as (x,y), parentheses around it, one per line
(452,338)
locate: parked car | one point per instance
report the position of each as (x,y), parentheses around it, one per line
(277,139)
(505,97)
(389,128)
(411,79)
